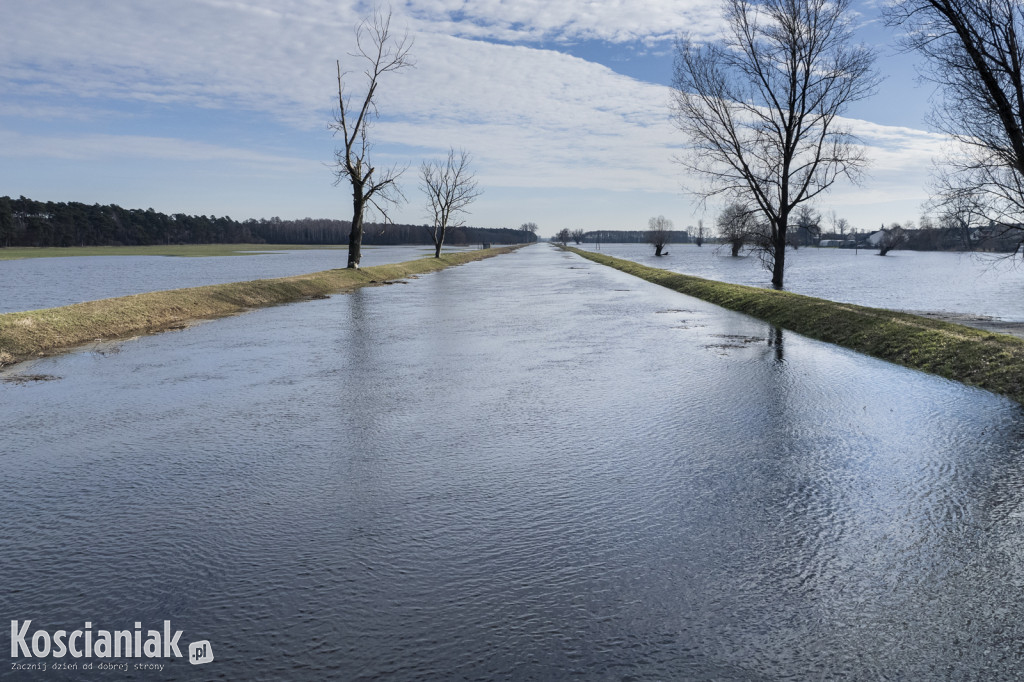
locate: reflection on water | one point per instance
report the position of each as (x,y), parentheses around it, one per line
(970,284)
(530,467)
(49,282)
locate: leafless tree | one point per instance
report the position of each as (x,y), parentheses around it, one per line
(529,227)
(450,187)
(577,236)
(892,238)
(699,234)
(659,233)
(808,226)
(760,109)
(839,225)
(975,55)
(381,52)
(563,236)
(736,226)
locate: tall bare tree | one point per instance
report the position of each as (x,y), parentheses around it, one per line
(975,55)
(761,108)
(450,187)
(577,235)
(381,52)
(659,233)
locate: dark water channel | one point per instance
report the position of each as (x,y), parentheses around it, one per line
(530,467)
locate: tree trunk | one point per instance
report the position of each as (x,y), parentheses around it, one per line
(736,248)
(355,236)
(437,250)
(779,257)
(657,249)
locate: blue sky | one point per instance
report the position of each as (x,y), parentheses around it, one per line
(221,107)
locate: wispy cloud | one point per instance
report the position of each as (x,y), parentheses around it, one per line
(533,118)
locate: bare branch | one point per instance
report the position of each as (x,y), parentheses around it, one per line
(760,109)
(382,52)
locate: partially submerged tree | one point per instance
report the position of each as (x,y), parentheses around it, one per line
(563,236)
(699,234)
(450,187)
(893,237)
(577,236)
(381,52)
(808,226)
(736,226)
(760,109)
(659,233)
(975,54)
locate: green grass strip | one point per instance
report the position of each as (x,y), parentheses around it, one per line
(42,332)
(975,357)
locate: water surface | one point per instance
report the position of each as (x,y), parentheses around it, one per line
(529,467)
(926,281)
(33,283)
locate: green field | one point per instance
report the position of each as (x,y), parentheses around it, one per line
(180,250)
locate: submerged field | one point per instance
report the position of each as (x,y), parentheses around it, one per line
(36,332)
(183,250)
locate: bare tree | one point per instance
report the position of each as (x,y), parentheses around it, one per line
(659,233)
(382,52)
(808,226)
(736,226)
(577,236)
(699,233)
(760,109)
(450,188)
(839,225)
(975,55)
(892,238)
(529,227)
(563,236)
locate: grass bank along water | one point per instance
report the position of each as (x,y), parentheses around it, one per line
(979,358)
(38,332)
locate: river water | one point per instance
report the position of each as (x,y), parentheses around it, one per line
(529,467)
(973,284)
(33,283)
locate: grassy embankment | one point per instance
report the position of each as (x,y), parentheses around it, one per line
(183,250)
(40,332)
(991,361)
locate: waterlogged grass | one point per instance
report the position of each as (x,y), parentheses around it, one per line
(979,358)
(181,250)
(40,332)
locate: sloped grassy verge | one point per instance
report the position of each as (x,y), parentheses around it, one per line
(991,361)
(41,332)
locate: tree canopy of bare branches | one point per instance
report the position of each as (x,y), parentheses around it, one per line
(577,235)
(659,233)
(450,187)
(975,55)
(736,225)
(563,236)
(529,227)
(381,52)
(760,109)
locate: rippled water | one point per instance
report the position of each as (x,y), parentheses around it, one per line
(529,467)
(930,281)
(34,283)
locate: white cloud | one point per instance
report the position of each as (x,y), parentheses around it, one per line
(532,118)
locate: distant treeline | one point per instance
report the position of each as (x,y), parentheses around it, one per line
(24,222)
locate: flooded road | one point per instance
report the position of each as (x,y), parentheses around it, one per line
(528,467)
